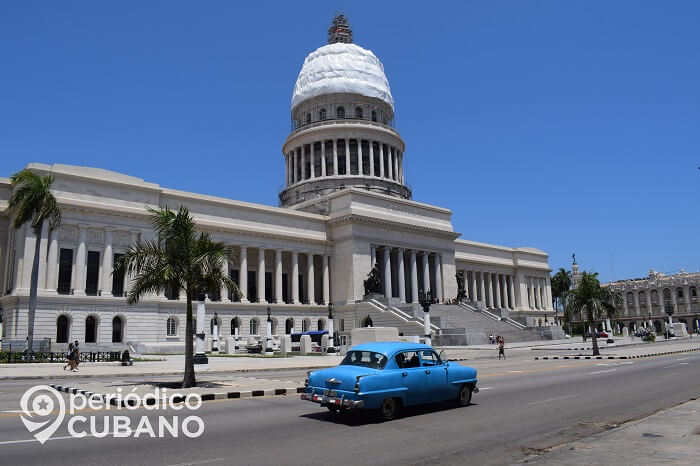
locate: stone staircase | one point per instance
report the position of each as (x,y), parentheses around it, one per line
(384,314)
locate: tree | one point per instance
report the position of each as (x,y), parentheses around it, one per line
(32,201)
(591,302)
(561,283)
(180,259)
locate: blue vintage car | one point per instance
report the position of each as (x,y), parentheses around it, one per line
(387,376)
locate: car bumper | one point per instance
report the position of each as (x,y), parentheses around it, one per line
(339,401)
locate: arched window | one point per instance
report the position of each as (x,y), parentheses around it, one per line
(693,293)
(117,330)
(340,112)
(254,326)
(322,114)
(374,115)
(289,326)
(90,329)
(667,295)
(308,118)
(305,325)
(62,327)
(366,322)
(171,327)
(654,296)
(642,297)
(679,293)
(358,112)
(321,324)
(235,326)
(630,298)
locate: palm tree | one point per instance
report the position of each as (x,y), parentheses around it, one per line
(32,201)
(561,283)
(181,259)
(591,302)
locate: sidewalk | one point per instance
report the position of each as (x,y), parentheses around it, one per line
(671,436)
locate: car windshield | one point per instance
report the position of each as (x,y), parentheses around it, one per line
(364,359)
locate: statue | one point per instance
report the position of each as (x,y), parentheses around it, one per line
(574,257)
(461,291)
(373,284)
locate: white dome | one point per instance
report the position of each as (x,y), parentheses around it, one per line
(342,68)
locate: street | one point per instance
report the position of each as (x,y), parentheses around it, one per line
(524,406)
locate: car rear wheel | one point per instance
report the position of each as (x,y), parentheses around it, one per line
(464,397)
(388,409)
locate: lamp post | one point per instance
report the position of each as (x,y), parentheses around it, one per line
(331,343)
(669,311)
(649,324)
(425,299)
(200,356)
(215,334)
(268,339)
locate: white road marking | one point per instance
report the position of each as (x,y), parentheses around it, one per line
(514,371)
(485,388)
(682,359)
(191,463)
(10,442)
(14,411)
(553,399)
(676,365)
(600,372)
(672,373)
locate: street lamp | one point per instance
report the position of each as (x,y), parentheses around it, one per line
(215,334)
(331,345)
(268,339)
(668,308)
(425,299)
(200,356)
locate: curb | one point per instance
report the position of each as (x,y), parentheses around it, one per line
(180,399)
(617,357)
(155,374)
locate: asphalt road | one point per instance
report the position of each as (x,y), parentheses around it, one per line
(523,407)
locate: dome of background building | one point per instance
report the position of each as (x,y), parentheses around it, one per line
(342,68)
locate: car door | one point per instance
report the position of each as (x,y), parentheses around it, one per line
(436,382)
(413,377)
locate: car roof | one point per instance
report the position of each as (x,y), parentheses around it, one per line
(390,347)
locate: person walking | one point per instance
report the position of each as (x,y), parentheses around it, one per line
(501,348)
(69,355)
(76,356)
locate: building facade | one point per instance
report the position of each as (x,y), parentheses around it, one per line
(345,208)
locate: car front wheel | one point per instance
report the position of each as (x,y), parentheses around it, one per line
(464,397)
(388,409)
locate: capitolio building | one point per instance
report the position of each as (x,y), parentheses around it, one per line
(346,210)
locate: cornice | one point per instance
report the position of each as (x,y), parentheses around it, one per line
(366,220)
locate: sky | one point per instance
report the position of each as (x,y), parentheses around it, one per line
(572,127)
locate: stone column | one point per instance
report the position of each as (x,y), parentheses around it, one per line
(511,291)
(326,282)
(401,275)
(335,157)
(401,167)
(372,255)
(674,299)
(396,164)
(323,158)
(312,160)
(625,309)
(243,275)
(295,278)
(224,289)
(688,303)
(52,262)
(637,309)
(536,281)
(482,290)
(348,171)
(649,308)
(381,160)
(390,160)
(303,162)
(548,289)
(414,276)
(371,159)
(387,272)
(497,282)
(438,277)
(489,290)
(107,262)
(426,272)
(310,278)
(360,171)
(261,276)
(472,288)
(278,276)
(530,298)
(80,264)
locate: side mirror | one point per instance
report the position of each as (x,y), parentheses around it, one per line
(442,356)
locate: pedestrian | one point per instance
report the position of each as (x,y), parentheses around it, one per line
(501,347)
(76,356)
(69,355)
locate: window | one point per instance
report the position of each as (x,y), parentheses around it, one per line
(429,358)
(342,325)
(289,326)
(321,324)
(358,112)
(374,116)
(366,322)
(679,293)
(308,118)
(305,325)
(407,359)
(62,327)
(253,326)
(233,275)
(340,112)
(642,297)
(364,358)
(322,114)
(65,269)
(211,326)
(117,330)
(235,326)
(93,272)
(693,293)
(171,327)
(117,279)
(90,329)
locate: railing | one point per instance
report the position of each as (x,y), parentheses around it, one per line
(44,356)
(338,121)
